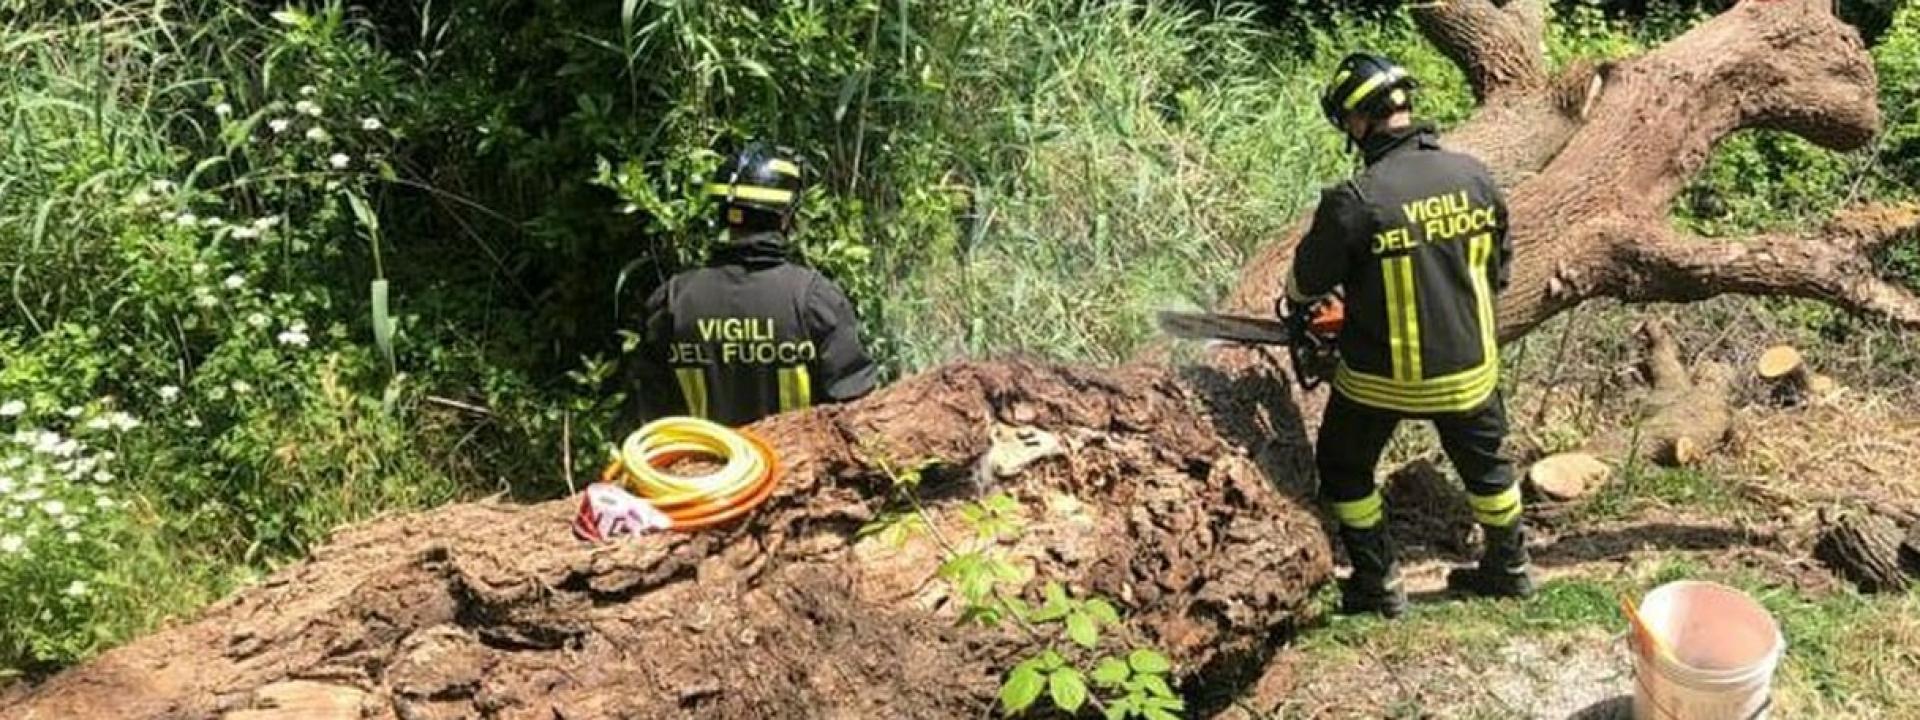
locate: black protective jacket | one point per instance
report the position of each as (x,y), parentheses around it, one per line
(749,335)
(1418,241)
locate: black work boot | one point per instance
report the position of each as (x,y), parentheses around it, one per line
(1504,569)
(1375,584)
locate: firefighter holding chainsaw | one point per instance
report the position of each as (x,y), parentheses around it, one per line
(1416,247)
(752,333)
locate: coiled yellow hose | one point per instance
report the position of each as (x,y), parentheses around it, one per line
(745,480)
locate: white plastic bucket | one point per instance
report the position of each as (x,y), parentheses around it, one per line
(1721,651)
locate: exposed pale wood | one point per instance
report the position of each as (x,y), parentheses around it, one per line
(1568,476)
(1780,362)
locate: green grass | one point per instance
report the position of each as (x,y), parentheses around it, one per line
(1848,655)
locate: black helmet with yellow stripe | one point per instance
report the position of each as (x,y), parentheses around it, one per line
(1367,85)
(760,186)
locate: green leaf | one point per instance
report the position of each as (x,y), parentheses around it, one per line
(1149,661)
(1154,713)
(1068,688)
(1175,704)
(1110,672)
(1118,709)
(1103,611)
(1051,661)
(1018,607)
(1023,686)
(1080,629)
(1002,503)
(1056,595)
(1157,686)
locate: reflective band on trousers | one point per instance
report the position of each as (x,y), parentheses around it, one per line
(1500,510)
(1360,514)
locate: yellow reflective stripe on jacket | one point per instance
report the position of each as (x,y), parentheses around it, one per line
(1410,296)
(784,168)
(751,192)
(1360,514)
(693,387)
(1499,510)
(796,389)
(1398,343)
(1454,393)
(1483,293)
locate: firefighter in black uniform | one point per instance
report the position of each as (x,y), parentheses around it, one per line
(751,333)
(1417,244)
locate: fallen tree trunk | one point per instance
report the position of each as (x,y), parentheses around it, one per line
(485,609)
(1188,481)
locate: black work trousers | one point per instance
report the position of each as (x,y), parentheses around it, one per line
(1352,437)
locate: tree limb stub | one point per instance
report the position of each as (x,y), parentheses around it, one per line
(1497,47)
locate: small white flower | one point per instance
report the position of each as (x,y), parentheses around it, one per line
(13,408)
(242,387)
(629,209)
(223,109)
(258,320)
(168,215)
(296,337)
(192,422)
(69,522)
(234,282)
(53,508)
(187,220)
(72,538)
(279,125)
(318,135)
(141,197)
(76,589)
(245,233)
(99,423)
(308,90)
(103,477)
(16,512)
(339,161)
(267,223)
(305,107)
(212,222)
(162,186)
(66,448)
(14,463)
(103,502)
(11,544)
(169,393)
(205,298)
(6,485)
(199,268)
(370,124)
(72,411)
(30,495)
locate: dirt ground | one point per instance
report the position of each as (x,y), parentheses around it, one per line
(1748,517)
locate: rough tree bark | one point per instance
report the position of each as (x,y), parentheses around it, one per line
(1180,494)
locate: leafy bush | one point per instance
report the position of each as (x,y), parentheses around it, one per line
(343,259)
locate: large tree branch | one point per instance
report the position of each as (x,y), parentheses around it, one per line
(1496,45)
(1833,264)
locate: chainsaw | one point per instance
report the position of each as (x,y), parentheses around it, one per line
(1310,337)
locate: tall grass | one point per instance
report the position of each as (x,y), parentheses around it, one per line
(995,177)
